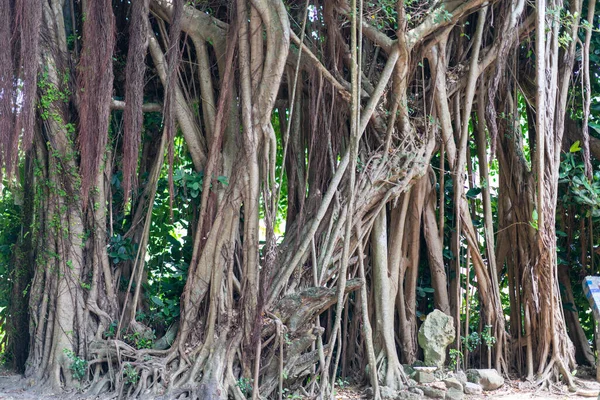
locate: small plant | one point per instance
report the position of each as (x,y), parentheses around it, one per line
(139,340)
(140,316)
(455,359)
(342,382)
(487,337)
(287,394)
(472,341)
(111,331)
(130,374)
(245,385)
(442,15)
(78,365)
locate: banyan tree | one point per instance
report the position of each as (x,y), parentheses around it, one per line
(329,147)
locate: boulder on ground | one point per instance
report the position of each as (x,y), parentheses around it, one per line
(472,388)
(416,391)
(385,392)
(433,393)
(453,383)
(424,377)
(454,394)
(435,334)
(407,395)
(461,377)
(489,379)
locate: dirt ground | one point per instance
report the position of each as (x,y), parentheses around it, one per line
(14,387)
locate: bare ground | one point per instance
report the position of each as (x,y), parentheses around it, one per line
(14,387)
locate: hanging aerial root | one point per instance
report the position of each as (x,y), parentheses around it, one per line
(95,78)
(134,92)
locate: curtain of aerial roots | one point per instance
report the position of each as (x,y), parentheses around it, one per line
(269,314)
(543,349)
(453,106)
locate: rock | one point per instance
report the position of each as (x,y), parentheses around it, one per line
(439,374)
(585,392)
(454,394)
(424,377)
(412,383)
(417,391)
(489,379)
(408,395)
(461,377)
(408,370)
(435,334)
(433,392)
(453,383)
(387,392)
(438,385)
(472,388)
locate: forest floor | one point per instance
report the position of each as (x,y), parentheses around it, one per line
(15,387)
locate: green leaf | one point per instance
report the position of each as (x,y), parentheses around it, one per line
(575,147)
(157,301)
(534,220)
(473,192)
(223,180)
(594,126)
(172,240)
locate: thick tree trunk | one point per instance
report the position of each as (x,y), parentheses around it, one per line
(392,376)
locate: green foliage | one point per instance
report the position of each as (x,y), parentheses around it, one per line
(487,337)
(189,180)
(442,15)
(245,385)
(383,14)
(140,340)
(534,219)
(51,94)
(287,394)
(472,341)
(10,268)
(422,291)
(122,249)
(342,382)
(130,374)
(111,331)
(579,189)
(456,357)
(78,365)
